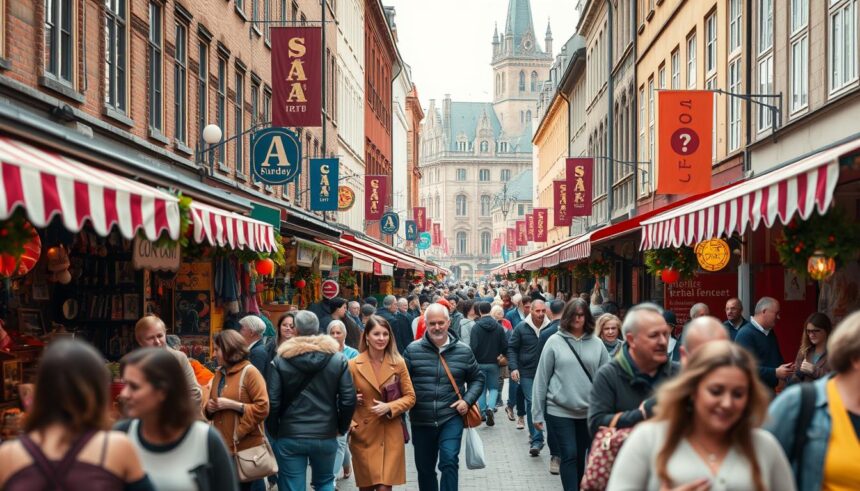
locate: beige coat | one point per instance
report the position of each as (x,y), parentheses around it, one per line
(254,397)
(376,443)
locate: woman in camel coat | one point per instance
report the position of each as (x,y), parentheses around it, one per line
(377,439)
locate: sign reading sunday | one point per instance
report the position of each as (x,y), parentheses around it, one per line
(296,76)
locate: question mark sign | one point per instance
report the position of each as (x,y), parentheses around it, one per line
(685,141)
(685,138)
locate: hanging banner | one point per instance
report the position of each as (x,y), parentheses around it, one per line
(375,196)
(494,248)
(411,230)
(511,239)
(324,187)
(296,76)
(530,226)
(445,247)
(419,213)
(437,234)
(345,198)
(541,222)
(561,211)
(424,241)
(276,156)
(389,224)
(522,233)
(685,120)
(579,180)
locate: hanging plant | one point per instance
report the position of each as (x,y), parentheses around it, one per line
(346,278)
(185,231)
(581,271)
(683,260)
(833,234)
(599,267)
(431,277)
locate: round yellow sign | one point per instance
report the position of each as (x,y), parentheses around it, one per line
(713,255)
(345,198)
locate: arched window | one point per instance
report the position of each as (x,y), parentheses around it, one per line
(485,206)
(534,81)
(436,207)
(485,243)
(485,147)
(528,115)
(522,81)
(461,206)
(461,243)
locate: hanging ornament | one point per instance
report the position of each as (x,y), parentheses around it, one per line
(301,284)
(265,267)
(820,267)
(670,275)
(58,265)
(10,265)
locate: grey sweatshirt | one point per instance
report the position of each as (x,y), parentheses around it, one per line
(561,387)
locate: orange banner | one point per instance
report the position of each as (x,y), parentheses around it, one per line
(684,128)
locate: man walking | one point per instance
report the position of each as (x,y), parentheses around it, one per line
(311,400)
(758,337)
(734,317)
(399,325)
(437,417)
(523,357)
(251,329)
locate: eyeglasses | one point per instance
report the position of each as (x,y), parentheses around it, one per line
(579,314)
(814,331)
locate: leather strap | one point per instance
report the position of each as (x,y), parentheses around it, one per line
(235,426)
(615,420)
(450,377)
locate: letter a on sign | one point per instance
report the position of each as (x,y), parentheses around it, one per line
(296,76)
(684,125)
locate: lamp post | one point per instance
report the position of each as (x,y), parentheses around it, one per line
(504,201)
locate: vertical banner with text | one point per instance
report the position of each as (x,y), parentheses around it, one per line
(324,184)
(437,235)
(684,136)
(541,225)
(419,213)
(411,230)
(578,173)
(375,196)
(522,234)
(561,210)
(511,239)
(296,76)
(530,226)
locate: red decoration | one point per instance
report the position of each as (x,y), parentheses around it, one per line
(265,267)
(29,258)
(670,275)
(301,284)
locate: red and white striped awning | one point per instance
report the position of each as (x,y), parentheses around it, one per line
(46,184)
(576,250)
(224,228)
(361,262)
(798,188)
(384,252)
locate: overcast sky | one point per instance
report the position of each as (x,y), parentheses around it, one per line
(448,42)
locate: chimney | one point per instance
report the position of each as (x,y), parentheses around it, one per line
(446,111)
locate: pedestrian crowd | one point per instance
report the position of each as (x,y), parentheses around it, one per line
(625,400)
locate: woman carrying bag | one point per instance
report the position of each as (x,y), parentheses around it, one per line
(237,406)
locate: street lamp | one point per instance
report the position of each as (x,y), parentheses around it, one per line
(212,134)
(504,201)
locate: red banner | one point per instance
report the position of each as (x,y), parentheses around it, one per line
(495,250)
(430,228)
(685,120)
(579,185)
(561,210)
(511,241)
(530,226)
(419,214)
(296,76)
(375,196)
(445,247)
(437,235)
(541,221)
(522,233)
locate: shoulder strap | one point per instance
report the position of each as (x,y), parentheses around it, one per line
(41,461)
(236,425)
(587,373)
(804,417)
(450,377)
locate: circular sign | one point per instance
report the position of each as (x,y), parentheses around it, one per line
(276,155)
(424,241)
(330,289)
(389,223)
(713,255)
(685,141)
(345,198)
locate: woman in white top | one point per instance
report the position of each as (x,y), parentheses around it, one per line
(706,434)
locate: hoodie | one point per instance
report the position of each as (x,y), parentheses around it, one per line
(488,340)
(524,347)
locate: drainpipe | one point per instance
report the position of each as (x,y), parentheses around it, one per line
(610,102)
(744,273)
(635,122)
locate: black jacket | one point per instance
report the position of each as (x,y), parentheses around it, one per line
(524,348)
(487,340)
(259,357)
(324,409)
(401,327)
(433,391)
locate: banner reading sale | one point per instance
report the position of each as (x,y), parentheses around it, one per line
(684,128)
(296,76)
(561,211)
(578,173)
(541,219)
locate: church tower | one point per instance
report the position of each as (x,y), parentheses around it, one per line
(520,65)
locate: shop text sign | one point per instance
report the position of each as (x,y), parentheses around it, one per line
(712,289)
(420,214)
(147,255)
(579,186)
(375,196)
(541,216)
(296,76)
(530,226)
(561,210)
(324,187)
(276,156)
(389,223)
(684,125)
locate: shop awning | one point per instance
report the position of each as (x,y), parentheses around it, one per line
(399,260)
(798,188)
(361,262)
(45,184)
(577,249)
(223,228)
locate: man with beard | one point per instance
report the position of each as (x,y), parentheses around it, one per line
(523,357)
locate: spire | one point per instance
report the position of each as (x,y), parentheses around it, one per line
(548,38)
(519,22)
(496,34)
(548,29)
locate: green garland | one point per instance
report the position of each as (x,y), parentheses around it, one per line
(599,267)
(346,278)
(833,233)
(581,271)
(682,259)
(15,233)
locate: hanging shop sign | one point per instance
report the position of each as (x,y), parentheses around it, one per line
(424,241)
(330,289)
(420,215)
(345,198)
(375,196)
(685,123)
(389,224)
(147,255)
(326,260)
(296,76)
(579,186)
(541,221)
(324,184)
(511,238)
(276,155)
(304,256)
(530,226)
(561,210)
(411,230)
(437,234)
(505,255)
(522,234)
(713,255)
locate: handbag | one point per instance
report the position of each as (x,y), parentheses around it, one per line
(604,450)
(256,462)
(472,418)
(502,360)
(474,450)
(392,392)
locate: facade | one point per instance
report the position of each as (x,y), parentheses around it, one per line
(520,204)
(414,115)
(400,171)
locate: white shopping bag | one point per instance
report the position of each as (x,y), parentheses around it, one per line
(474,450)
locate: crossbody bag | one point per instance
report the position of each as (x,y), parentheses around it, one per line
(587,373)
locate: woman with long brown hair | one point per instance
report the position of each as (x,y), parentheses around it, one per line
(286,328)
(811,359)
(706,431)
(385,393)
(69,424)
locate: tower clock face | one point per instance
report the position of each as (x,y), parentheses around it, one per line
(528,43)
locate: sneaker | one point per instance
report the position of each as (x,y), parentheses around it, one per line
(520,422)
(491,418)
(535,449)
(555,465)
(510,412)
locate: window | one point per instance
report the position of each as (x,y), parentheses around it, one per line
(522,81)
(691,61)
(461,174)
(735,25)
(799,62)
(267,16)
(485,147)
(485,243)
(503,147)
(155,66)
(221,104)
(255,102)
(765,25)
(711,43)
(505,175)
(734,105)
(765,86)
(711,84)
(115,54)
(521,210)
(461,243)
(461,146)
(651,119)
(528,115)
(534,81)
(239,117)
(676,69)
(461,206)
(842,56)
(661,77)
(180,83)
(642,183)
(484,174)
(202,88)
(267,105)
(485,206)
(59,40)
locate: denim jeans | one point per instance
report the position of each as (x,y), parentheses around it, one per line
(491,388)
(573,440)
(442,444)
(551,439)
(515,397)
(526,388)
(343,456)
(294,454)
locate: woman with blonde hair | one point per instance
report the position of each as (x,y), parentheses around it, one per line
(608,329)
(706,431)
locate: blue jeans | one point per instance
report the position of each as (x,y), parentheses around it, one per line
(515,397)
(526,388)
(442,444)
(294,454)
(491,386)
(572,440)
(343,457)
